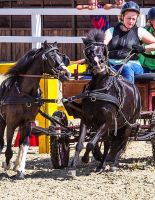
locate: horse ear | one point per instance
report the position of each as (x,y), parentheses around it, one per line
(45,44)
(55,44)
(87,41)
(84,41)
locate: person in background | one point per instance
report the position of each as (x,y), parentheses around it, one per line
(125,38)
(99,21)
(92,4)
(147,60)
(117,4)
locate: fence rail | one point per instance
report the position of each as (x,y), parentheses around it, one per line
(36,39)
(62,11)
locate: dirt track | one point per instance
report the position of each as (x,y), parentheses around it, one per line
(134,180)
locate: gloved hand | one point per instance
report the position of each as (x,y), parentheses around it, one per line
(138,48)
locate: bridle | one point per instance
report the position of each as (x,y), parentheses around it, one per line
(101,57)
(54,59)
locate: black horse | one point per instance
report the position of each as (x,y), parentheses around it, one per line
(21,98)
(109,103)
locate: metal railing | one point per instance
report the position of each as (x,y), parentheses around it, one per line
(36,39)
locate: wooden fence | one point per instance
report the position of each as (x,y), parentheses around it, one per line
(14,51)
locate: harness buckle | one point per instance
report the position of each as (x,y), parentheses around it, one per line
(93,99)
(28,105)
(70,99)
(44,57)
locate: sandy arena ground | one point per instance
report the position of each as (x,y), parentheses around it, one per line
(135,180)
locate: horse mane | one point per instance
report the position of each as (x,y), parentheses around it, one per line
(94,35)
(22,65)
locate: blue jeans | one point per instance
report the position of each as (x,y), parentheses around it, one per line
(129,70)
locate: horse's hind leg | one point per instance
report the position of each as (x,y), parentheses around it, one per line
(23,149)
(2,128)
(102,164)
(118,146)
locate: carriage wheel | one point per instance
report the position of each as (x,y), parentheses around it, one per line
(59,144)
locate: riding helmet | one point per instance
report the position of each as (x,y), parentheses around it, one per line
(130,6)
(151,14)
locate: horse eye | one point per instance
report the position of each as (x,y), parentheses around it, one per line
(88,51)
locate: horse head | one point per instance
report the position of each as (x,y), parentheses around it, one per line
(56,62)
(96,52)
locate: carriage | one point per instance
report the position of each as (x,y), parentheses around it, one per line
(64,133)
(109,108)
(111,112)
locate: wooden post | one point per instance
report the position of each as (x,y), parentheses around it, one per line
(50,92)
(36,29)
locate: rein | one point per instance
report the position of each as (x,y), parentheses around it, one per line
(124,62)
(47,76)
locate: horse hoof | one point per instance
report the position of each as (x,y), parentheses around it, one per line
(113,169)
(5,166)
(15,168)
(73,163)
(85,159)
(19,175)
(99,170)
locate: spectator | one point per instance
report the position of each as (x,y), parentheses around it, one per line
(147,60)
(92,4)
(98,22)
(117,4)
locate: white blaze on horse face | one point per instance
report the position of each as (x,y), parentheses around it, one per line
(97,61)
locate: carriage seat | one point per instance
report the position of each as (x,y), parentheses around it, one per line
(146,85)
(146,77)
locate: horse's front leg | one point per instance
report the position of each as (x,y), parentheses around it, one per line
(23,149)
(79,146)
(102,164)
(8,152)
(90,145)
(2,128)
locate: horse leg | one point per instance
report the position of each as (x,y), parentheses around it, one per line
(79,146)
(23,149)
(90,145)
(19,156)
(97,154)
(2,129)
(102,164)
(118,146)
(9,152)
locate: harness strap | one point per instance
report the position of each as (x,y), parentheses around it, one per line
(13,100)
(94,96)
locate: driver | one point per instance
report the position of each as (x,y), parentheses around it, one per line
(147,60)
(126,37)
